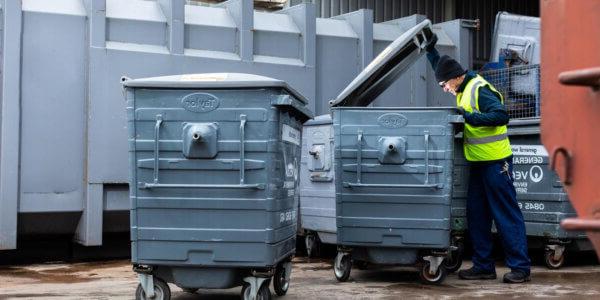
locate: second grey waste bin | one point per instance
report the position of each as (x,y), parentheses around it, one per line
(541,196)
(214,164)
(393,170)
(317,188)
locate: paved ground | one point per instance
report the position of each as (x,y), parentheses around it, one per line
(311,279)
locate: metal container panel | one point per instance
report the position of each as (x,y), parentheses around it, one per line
(394,171)
(233,207)
(317,179)
(540,194)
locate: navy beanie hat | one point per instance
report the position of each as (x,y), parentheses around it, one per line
(448,68)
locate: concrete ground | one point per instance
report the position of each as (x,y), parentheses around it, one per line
(311,279)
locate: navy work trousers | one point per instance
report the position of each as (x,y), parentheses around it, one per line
(492,196)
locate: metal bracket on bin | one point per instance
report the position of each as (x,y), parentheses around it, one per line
(358,183)
(241,185)
(147,282)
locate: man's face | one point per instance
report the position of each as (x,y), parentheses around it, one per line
(451,85)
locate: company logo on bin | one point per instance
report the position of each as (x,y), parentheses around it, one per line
(200,102)
(392,120)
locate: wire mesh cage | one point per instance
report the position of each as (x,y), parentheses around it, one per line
(520,86)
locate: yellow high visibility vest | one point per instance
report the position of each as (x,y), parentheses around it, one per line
(482,143)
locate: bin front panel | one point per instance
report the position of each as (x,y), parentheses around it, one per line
(385,194)
(197,207)
(540,194)
(317,187)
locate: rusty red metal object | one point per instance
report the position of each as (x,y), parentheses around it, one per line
(570,82)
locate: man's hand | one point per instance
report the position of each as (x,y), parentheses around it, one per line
(431,45)
(461,111)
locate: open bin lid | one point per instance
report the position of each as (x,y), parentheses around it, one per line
(386,67)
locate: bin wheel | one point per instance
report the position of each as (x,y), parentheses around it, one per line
(280,281)
(312,245)
(428,278)
(551,262)
(263,292)
(342,266)
(190,290)
(455,258)
(161,291)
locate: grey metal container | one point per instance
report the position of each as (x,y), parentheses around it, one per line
(214,162)
(541,196)
(393,170)
(317,188)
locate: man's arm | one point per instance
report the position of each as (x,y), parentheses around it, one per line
(492,111)
(433,56)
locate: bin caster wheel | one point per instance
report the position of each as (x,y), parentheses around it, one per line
(312,245)
(281,281)
(342,266)
(161,291)
(455,258)
(429,278)
(263,292)
(552,262)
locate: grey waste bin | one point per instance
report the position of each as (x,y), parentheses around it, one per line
(541,197)
(393,170)
(317,188)
(214,164)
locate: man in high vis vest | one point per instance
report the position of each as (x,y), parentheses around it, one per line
(491,194)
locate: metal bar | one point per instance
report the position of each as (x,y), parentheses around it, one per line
(242,151)
(579,224)
(10,120)
(383,185)
(583,77)
(156,145)
(359,183)
(426,157)
(258,186)
(359,157)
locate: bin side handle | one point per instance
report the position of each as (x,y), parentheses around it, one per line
(241,185)
(159,121)
(358,182)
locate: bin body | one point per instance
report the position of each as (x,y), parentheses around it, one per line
(317,179)
(394,176)
(198,217)
(540,194)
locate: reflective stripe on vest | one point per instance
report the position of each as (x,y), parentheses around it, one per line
(474,105)
(485,140)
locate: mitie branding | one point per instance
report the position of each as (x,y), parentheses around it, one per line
(392,120)
(200,102)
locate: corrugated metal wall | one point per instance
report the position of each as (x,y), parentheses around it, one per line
(383,10)
(437,11)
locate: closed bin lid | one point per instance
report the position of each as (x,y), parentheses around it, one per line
(386,67)
(211,80)
(320,120)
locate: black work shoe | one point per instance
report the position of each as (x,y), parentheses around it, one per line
(474,274)
(516,277)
